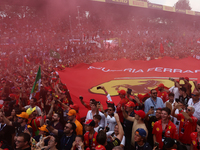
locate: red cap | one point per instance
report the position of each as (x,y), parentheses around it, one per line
(90,122)
(161,85)
(140,113)
(74,106)
(187,78)
(130,104)
(122,92)
(100,147)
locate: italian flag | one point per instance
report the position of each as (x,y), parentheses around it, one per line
(36,86)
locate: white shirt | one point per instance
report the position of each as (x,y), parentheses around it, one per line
(123,139)
(90,116)
(111,122)
(175,90)
(196,107)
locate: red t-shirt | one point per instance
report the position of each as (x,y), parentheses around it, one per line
(188,126)
(90,142)
(170,131)
(163,95)
(35,123)
(119,111)
(194,139)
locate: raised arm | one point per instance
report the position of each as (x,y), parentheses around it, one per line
(196,86)
(126,116)
(51,129)
(6,121)
(121,131)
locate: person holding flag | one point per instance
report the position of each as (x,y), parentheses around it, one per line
(36,86)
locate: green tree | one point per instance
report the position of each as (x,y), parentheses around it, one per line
(183,4)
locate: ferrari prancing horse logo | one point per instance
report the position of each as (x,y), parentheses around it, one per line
(138,85)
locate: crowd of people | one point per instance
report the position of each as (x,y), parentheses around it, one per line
(161,119)
(164,118)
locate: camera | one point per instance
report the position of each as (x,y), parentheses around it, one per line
(182,130)
(177,100)
(107,128)
(163,136)
(81,97)
(157,145)
(48,122)
(99,87)
(177,123)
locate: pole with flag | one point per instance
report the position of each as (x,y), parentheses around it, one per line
(37,83)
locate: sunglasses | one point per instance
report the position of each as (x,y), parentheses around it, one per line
(110,109)
(17,141)
(188,109)
(19,117)
(154,93)
(194,95)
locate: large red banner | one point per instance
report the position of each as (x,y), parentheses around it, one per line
(140,76)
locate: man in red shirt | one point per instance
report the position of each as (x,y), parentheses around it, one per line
(164,128)
(123,101)
(187,123)
(90,136)
(162,93)
(195,137)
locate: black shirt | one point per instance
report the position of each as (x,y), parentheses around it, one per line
(66,141)
(29,148)
(20,128)
(111,145)
(6,133)
(150,125)
(128,126)
(184,99)
(146,146)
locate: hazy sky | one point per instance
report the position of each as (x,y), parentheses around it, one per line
(195,4)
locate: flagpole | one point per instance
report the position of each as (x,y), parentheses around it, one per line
(23,59)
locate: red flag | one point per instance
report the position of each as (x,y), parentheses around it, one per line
(161,48)
(26,60)
(140,76)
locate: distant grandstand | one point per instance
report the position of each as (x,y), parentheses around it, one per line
(138,3)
